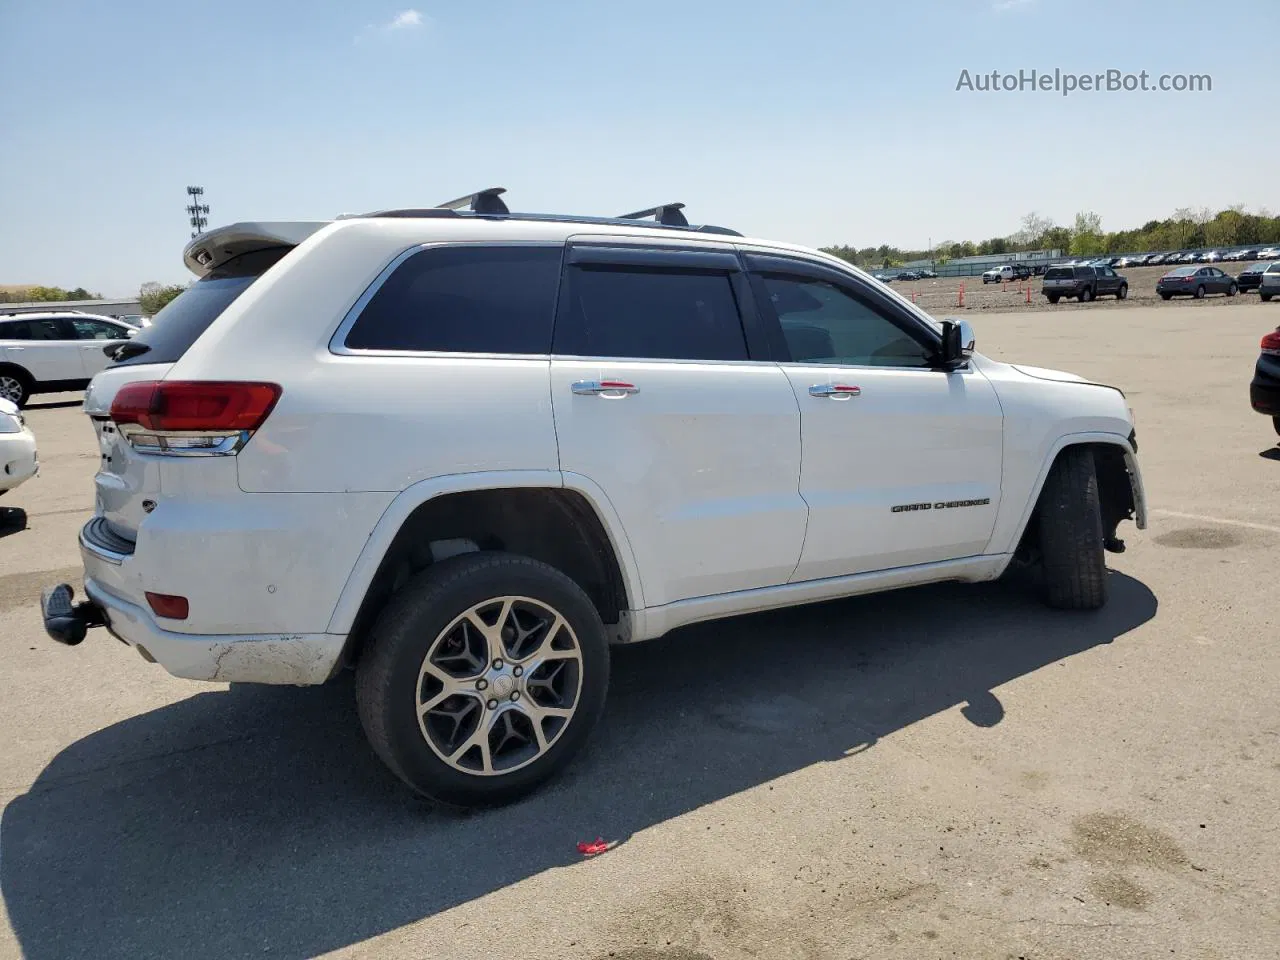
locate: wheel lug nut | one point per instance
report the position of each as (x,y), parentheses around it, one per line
(497,664)
(492,704)
(518,671)
(515,695)
(481,684)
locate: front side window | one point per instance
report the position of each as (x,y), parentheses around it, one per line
(97,330)
(825,323)
(660,313)
(464,299)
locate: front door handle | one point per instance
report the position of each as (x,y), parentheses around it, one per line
(835,391)
(609,389)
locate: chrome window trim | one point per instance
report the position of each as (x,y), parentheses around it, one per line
(338,342)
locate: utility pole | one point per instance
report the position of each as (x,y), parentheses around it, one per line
(198,211)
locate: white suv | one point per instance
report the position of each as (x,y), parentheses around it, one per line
(463,451)
(48,352)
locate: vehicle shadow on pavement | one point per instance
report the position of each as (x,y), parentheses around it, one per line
(257,820)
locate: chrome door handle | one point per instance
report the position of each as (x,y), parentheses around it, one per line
(15,349)
(835,391)
(610,389)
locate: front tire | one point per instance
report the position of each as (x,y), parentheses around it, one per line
(1070,523)
(1231,290)
(1275,422)
(484,677)
(1123,292)
(1086,295)
(1200,292)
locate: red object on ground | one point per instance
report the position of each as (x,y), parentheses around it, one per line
(593,848)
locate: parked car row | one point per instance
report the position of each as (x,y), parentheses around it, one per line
(905,275)
(1087,281)
(1179,257)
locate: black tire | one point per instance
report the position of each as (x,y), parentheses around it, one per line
(1054,297)
(1200,292)
(387,676)
(1086,295)
(1275,422)
(1265,297)
(1166,296)
(15,378)
(1070,522)
(1123,292)
(1231,290)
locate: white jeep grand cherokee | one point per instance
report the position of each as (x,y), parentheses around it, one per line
(463,451)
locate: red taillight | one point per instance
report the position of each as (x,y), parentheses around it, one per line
(168,606)
(1271,342)
(194,405)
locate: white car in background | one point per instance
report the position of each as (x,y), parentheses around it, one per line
(18,461)
(51,352)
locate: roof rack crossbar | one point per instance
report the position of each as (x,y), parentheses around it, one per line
(668,214)
(487,201)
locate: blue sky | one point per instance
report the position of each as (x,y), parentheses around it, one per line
(818,122)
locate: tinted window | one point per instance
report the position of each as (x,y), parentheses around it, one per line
(1084,273)
(176,327)
(659,313)
(35,330)
(465,299)
(823,323)
(97,330)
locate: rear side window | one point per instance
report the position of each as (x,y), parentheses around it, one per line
(176,327)
(1084,273)
(650,313)
(465,299)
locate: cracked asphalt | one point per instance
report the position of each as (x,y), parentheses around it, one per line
(944,772)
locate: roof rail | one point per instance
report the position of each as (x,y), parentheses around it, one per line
(667,214)
(486,201)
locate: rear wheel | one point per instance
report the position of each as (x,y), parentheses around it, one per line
(1123,292)
(1275,422)
(1264,297)
(1086,295)
(1054,298)
(15,385)
(484,677)
(1166,296)
(1070,524)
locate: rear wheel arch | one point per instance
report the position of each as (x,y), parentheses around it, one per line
(23,377)
(556,526)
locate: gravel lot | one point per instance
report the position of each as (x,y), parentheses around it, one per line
(944,772)
(940,296)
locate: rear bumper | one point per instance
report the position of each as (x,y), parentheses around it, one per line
(18,459)
(1264,390)
(301,659)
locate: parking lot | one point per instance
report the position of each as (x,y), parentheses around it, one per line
(939,296)
(951,771)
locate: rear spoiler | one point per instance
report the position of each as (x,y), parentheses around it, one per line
(208,251)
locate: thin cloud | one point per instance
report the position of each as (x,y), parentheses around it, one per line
(1005,6)
(406,20)
(403,22)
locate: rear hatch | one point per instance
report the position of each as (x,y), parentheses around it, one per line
(126,478)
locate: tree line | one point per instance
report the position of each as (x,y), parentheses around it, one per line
(1187,229)
(46,295)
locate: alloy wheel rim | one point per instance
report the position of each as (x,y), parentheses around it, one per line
(499,686)
(10,389)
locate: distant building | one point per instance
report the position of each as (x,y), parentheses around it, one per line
(104,308)
(973,266)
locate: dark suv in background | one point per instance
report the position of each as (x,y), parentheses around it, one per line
(1083,283)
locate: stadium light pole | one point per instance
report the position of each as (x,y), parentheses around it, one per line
(198,211)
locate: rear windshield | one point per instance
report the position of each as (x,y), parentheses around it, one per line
(1059,273)
(175,328)
(1183,271)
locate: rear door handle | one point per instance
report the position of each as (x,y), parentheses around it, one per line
(609,389)
(835,391)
